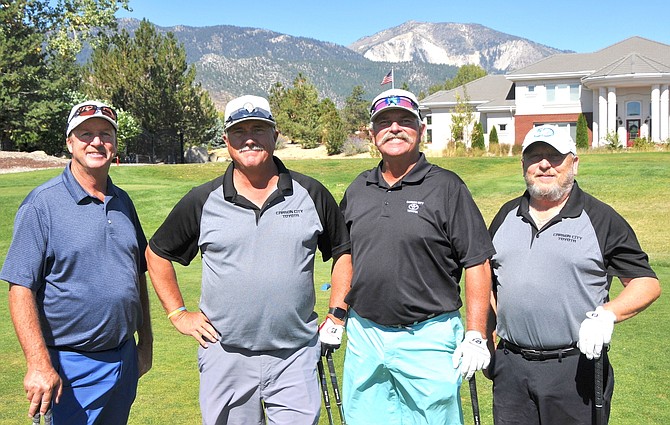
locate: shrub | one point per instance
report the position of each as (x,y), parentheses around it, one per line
(582,135)
(354,145)
(493,137)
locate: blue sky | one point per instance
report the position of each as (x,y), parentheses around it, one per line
(583,26)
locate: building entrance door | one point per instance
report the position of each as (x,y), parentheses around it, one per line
(632,131)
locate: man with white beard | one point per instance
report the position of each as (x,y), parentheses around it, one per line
(557,249)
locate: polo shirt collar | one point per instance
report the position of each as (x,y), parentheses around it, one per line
(77,192)
(285,183)
(415,175)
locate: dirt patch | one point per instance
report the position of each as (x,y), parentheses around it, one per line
(15,162)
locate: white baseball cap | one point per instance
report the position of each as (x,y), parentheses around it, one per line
(551,135)
(394,99)
(245,108)
(90,109)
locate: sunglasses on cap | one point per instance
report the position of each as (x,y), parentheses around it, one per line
(401,101)
(88,110)
(245,113)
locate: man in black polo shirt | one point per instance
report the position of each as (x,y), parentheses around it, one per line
(414,228)
(557,249)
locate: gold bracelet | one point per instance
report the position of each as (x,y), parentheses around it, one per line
(182,308)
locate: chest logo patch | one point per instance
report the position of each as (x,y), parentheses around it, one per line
(564,237)
(414,206)
(289,213)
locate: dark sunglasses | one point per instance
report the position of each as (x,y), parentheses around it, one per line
(244,113)
(402,101)
(88,110)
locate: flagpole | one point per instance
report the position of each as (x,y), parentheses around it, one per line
(392,79)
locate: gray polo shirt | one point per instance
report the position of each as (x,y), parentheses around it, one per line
(546,280)
(411,242)
(83,258)
(257,264)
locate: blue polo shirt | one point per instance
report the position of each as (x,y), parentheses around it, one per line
(83,258)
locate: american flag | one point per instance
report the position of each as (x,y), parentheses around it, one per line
(388,78)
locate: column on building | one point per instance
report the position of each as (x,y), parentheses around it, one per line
(665,113)
(612,124)
(600,133)
(655,113)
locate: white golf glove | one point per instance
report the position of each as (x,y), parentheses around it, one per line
(596,331)
(471,355)
(330,335)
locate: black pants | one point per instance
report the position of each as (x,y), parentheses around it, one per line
(547,392)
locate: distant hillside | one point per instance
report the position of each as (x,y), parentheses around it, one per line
(231,60)
(453,44)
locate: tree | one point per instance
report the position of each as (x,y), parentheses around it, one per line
(465,74)
(582,133)
(38,74)
(493,138)
(147,75)
(478,141)
(297,111)
(355,113)
(333,132)
(461,118)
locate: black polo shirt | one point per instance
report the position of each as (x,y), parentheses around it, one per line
(411,242)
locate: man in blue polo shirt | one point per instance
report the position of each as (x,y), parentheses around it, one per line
(77,286)
(257,228)
(557,250)
(414,229)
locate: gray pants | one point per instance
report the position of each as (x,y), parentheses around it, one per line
(239,386)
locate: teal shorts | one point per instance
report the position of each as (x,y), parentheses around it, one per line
(396,376)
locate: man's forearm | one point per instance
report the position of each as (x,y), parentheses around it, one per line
(478,297)
(164,281)
(23,310)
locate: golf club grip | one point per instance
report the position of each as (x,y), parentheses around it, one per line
(475,400)
(598,388)
(324,390)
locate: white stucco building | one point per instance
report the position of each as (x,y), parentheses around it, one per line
(622,89)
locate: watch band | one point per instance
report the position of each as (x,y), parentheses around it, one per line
(338,312)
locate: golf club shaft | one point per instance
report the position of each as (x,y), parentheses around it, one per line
(336,387)
(475,400)
(324,391)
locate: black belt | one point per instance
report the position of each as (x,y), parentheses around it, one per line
(539,355)
(409,325)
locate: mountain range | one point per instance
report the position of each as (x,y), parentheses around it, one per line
(231,61)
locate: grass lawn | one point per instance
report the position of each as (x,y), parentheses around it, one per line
(636,184)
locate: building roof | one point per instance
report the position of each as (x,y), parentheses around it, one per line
(588,63)
(490,91)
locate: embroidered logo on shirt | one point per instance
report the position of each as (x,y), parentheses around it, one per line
(567,238)
(289,213)
(414,206)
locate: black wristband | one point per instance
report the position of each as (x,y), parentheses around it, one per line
(338,313)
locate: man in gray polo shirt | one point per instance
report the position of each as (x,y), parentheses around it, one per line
(557,249)
(257,228)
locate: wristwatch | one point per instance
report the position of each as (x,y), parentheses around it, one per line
(338,312)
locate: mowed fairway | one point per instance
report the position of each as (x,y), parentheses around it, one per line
(635,184)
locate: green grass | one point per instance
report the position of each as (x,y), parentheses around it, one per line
(636,184)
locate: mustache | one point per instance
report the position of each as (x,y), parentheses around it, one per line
(402,135)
